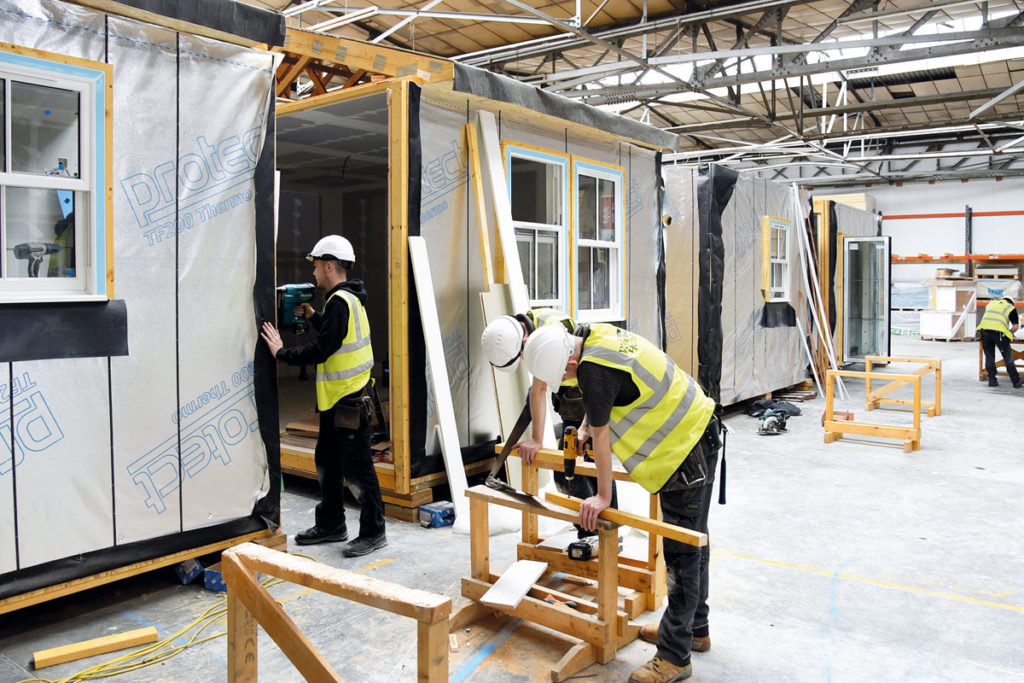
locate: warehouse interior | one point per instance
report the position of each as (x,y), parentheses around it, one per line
(812,207)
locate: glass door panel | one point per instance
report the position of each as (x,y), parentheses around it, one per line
(865,297)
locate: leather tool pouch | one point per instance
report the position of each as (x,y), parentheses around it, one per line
(351,410)
(694,469)
(568,403)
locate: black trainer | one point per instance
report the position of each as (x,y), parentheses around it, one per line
(1018,384)
(364,545)
(315,534)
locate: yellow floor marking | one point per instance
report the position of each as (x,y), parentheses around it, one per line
(374,565)
(876,582)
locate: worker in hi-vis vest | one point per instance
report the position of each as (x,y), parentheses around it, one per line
(663,429)
(502,341)
(996,329)
(344,359)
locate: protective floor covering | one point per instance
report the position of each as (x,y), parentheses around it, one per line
(850,561)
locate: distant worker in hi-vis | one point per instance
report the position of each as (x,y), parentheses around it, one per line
(996,329)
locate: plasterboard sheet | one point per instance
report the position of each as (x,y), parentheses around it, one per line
(144,383)
(220,144)
(62,451)
(681,266)
(642,223)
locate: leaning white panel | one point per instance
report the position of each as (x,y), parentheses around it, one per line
(144,382)
(224,461)
(62,450)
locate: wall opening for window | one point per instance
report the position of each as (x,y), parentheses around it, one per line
(54,136)
(775,271)
(538,194)
(598,241)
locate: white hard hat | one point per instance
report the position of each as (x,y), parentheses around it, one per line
(1008,298)
(333,246)
(503,342)
(547,352)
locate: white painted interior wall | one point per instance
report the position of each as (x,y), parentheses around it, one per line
(937,236)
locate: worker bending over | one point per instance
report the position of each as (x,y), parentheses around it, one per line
(996,329)
(661,426)
(343,358)
(503,340)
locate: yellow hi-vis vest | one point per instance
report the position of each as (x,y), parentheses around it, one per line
(347,370)
(997,317)
(546,316)
(549,316)
(652,435)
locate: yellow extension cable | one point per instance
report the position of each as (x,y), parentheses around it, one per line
(159,651)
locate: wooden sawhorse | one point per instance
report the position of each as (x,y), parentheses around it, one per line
(1000,363)
(598,628)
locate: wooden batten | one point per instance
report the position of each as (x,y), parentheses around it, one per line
(398,280)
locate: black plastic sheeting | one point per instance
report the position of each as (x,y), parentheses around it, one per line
(778,314)
(107,559)
(237,18)
(714,189)
(493,86)
(63,330)
(418,463)
(264,303)
(833,237)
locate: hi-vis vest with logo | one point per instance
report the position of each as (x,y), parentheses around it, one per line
(652,435)
(549,316)
(997,317)
(348,369)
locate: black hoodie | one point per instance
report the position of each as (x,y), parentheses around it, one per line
(330,326)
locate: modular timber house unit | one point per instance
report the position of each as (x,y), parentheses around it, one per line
(388,157)
(138,412)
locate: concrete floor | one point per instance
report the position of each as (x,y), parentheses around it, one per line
(850,561)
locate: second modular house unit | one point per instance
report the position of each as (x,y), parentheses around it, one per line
(386,160)
(732,246)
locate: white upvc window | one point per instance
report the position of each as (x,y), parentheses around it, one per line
(538,194)
(53,160)
(775,278)
(598,236)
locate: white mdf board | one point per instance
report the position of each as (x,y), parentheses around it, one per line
(495,185)
(450,447)
(508,591)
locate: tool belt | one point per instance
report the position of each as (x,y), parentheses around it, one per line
(693,471)
(568,403)
(351,410)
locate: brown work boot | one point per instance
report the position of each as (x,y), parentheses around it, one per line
(660,670)
(649,633)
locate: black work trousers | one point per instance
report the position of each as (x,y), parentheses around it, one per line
(990,339)
(686,567)
(344,454)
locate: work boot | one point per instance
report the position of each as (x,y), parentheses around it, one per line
(660,670)
(649,633)
(1018,384)
(315,534)
(993,383)
(364,545)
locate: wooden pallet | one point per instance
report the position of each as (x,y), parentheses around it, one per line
(273,539)
(947,339)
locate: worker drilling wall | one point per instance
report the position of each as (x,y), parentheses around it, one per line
(760,347)
(448,222)
(119,458)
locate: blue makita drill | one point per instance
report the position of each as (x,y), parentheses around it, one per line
(288,298)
